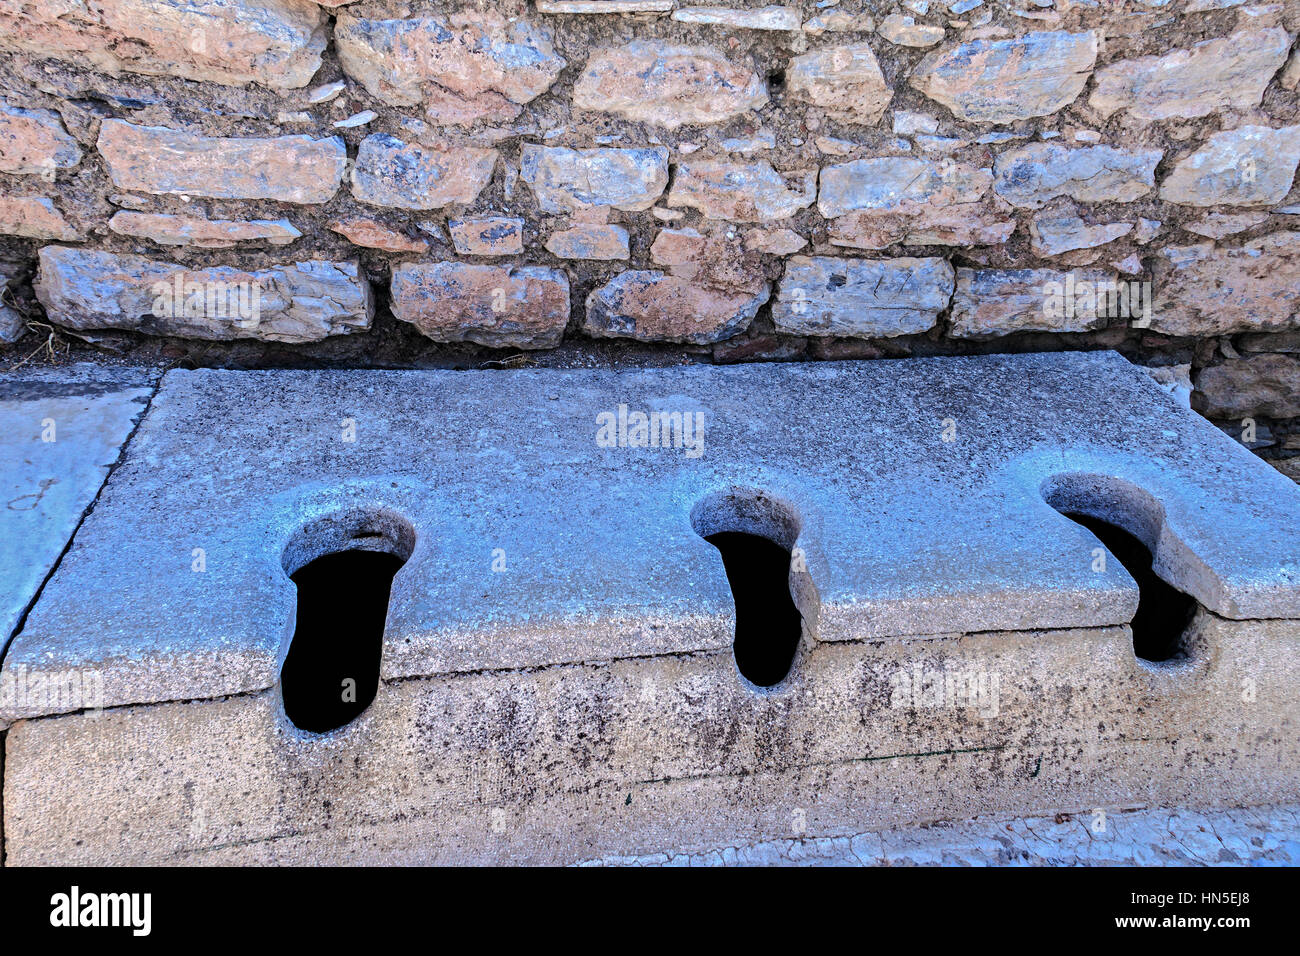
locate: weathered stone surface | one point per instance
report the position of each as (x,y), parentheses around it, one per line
(742,192)
(170,230)
(1029,176)
(992,302)
(299,302)
(276,43)
(886,182)
(12,324)
(652,81)
(570,180)
(471,66)
(34,141)
(603,6)
(776,242)
(1201,290)
(866,298)
(1054,233)
(771,17)
(843,80)
(34,217)
(524,307)
(1227,73)
(1247,166)
(718,257)
(651,306)
(390,172)
(1267,836)
(63,429)
(1256,385)
(1001,81)
(905,31)
(155,159)
(375,235)
(487,235)
(1217,225)
(874,203)
(589,240)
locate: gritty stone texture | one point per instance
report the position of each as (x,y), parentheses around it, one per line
(170,230)
(1203,290)
(511,720)
(498,306)
(1226,73)
(1094,836)
(742,192)
(85,414)
(34,141)
(473,65)
(154,159)
(390,172)
(298,302)
(1255,385)
(650,306)
(1004,80)
(34,217)
(375,235)
(276,43)
(990,302)
(771,17)
(1090,412)
(1247,166)
(874,203)
(1217,225)
(570,180)
(826,295)
(560,764)
(843,80)
(652,81)
(487,236)
(1053,234)
(589,241)
(1030,176)
(905,31)
(777,242)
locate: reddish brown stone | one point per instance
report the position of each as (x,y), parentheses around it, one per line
(523,307)
(168,230)
(653,81)
(34,141)
(277,43)
(34,217)
(653,307)
(373,235)
(471,66)
(487,236)
(155,159)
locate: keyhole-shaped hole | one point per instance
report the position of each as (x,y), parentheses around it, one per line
(768,625)
(343,568)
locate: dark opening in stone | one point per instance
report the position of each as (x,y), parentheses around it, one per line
(768,624)
(331,673)
(1164,612)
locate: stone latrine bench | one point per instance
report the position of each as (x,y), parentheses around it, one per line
(556,679)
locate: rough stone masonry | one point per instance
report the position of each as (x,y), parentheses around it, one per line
(417,183)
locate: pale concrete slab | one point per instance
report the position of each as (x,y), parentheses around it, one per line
(537,546)
(61,429)
(1098,836)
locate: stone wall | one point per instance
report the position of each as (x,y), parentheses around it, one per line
(266,182)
